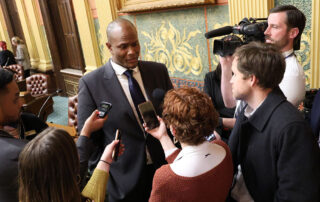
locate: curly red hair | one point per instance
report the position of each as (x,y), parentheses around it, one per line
(191,113)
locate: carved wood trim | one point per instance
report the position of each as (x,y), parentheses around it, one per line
(127,6)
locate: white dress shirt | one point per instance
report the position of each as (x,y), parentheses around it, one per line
(123,79)
(293,82)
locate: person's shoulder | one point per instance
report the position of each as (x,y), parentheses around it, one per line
(288,112)
(21,46)
(163,175)
(221,143)
(151,64)
(10,145)
(293,67)
(210,74)
(95,73)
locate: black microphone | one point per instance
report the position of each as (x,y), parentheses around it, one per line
(158,96)
(219,32)
(45,102)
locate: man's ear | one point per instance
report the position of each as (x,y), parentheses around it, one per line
(253,80)
(293,33)
(109,46)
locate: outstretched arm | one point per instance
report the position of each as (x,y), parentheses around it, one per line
(161,134)
(226,75)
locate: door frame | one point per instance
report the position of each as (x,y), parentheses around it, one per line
(52,42)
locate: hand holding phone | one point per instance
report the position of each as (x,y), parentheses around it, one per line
(148,114)
(115,152)
(104,109)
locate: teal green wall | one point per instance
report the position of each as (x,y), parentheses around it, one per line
(176,38)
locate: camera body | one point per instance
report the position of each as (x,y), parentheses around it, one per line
(249,28)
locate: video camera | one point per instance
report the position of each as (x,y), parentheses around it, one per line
(249,28)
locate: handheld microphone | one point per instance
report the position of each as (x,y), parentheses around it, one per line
(45,102)
(219,32)
(158,96)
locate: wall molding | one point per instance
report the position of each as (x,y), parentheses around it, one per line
(315,45)
(248,8)
(127,6)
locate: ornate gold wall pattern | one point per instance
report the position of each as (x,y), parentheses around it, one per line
(167,45)
(303,55)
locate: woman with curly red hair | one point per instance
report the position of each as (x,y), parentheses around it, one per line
(200,171)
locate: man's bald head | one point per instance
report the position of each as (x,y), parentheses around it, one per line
(123,43)
(119,23)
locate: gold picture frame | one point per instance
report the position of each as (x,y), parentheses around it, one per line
(128,6)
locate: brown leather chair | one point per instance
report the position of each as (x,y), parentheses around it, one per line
(38,84)
(19,76)
(38,87)
(73,111)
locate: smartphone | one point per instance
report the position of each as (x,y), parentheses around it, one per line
(148,114)
(115,152)
(104,108)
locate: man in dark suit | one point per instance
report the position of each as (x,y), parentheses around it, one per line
(130,176)
(15,131)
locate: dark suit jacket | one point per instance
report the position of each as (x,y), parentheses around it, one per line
(103,85)
(277,152)
(10,149)
(7,58)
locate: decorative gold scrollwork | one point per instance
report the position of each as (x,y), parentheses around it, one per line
(169,47)
(303,55)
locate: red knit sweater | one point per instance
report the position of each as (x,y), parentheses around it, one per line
(212,185)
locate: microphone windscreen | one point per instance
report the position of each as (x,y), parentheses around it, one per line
(158,94)
(219,32)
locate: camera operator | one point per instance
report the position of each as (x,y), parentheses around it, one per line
(212,86)
(285,26)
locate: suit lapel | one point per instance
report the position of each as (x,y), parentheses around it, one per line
(147,83)
(111,81)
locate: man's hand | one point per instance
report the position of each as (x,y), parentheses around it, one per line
(226,62)
(93,123)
